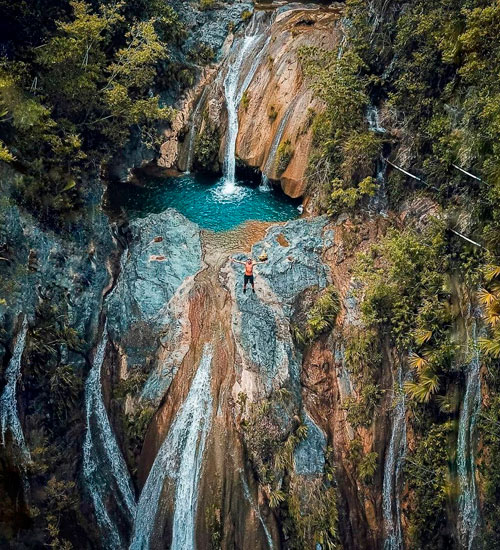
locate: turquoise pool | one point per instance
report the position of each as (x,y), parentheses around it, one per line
(204,200)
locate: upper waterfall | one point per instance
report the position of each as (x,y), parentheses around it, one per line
(252,45)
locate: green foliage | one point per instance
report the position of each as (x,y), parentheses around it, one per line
(245,100)
(246,15)
(360,411)
(428,479)
(321,317)
(206,150)
(207,4)
(284,155)
(71,100)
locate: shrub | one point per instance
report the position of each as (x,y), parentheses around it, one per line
(284,155)
(207,4)
(272,113)
(323,314)
(245,100)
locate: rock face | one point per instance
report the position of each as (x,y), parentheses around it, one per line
(277,106)
(151,274)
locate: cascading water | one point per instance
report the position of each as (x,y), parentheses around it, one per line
(180,458)
(104,467)
(393,468)
(372,117)
(271,157)
(251,45)
(469,517)
(248,496)
(192,131)
(9,419)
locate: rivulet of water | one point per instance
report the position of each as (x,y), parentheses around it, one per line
(9,418)
(468,503)
(393,468)
(104,468)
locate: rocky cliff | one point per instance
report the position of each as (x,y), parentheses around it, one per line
(276,107)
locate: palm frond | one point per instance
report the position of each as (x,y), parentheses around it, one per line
(491,272)
(422,336)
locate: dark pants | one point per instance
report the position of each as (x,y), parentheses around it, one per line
(248,279)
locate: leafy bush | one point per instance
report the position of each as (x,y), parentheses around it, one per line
(284,155)
(323,314)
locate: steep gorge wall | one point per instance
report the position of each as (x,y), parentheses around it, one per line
(276,107)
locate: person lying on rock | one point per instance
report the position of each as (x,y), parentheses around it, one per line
(249,265)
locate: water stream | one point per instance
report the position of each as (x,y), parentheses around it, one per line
(250,46)
(271,157)
(180,458)
(193,129)
(469,516)
(104,468)
(393,469)
(9,418)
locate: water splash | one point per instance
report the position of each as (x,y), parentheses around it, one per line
(271,157)
(180,458)
(9,419)
(393,468)
(251,45)
(102,456)
(469,517)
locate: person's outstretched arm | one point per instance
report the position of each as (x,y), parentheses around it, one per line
(237,261)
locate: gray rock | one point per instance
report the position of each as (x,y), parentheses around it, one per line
(137,309)
(309,455)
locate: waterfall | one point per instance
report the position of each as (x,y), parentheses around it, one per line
(245,49)
(271,157)
(255,507)
(373,120)
(468,521)
(393,468)
(104,467)
(180,458)
(9,418)
(192,131)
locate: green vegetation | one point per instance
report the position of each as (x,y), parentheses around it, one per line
(207,4)
(306,507)
(206,149)
(245,100)
(73,90)
(284,155)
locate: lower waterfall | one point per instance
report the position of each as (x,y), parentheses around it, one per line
(104,467)
(393,469)
(469,517)
(9,418)
(180,458)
